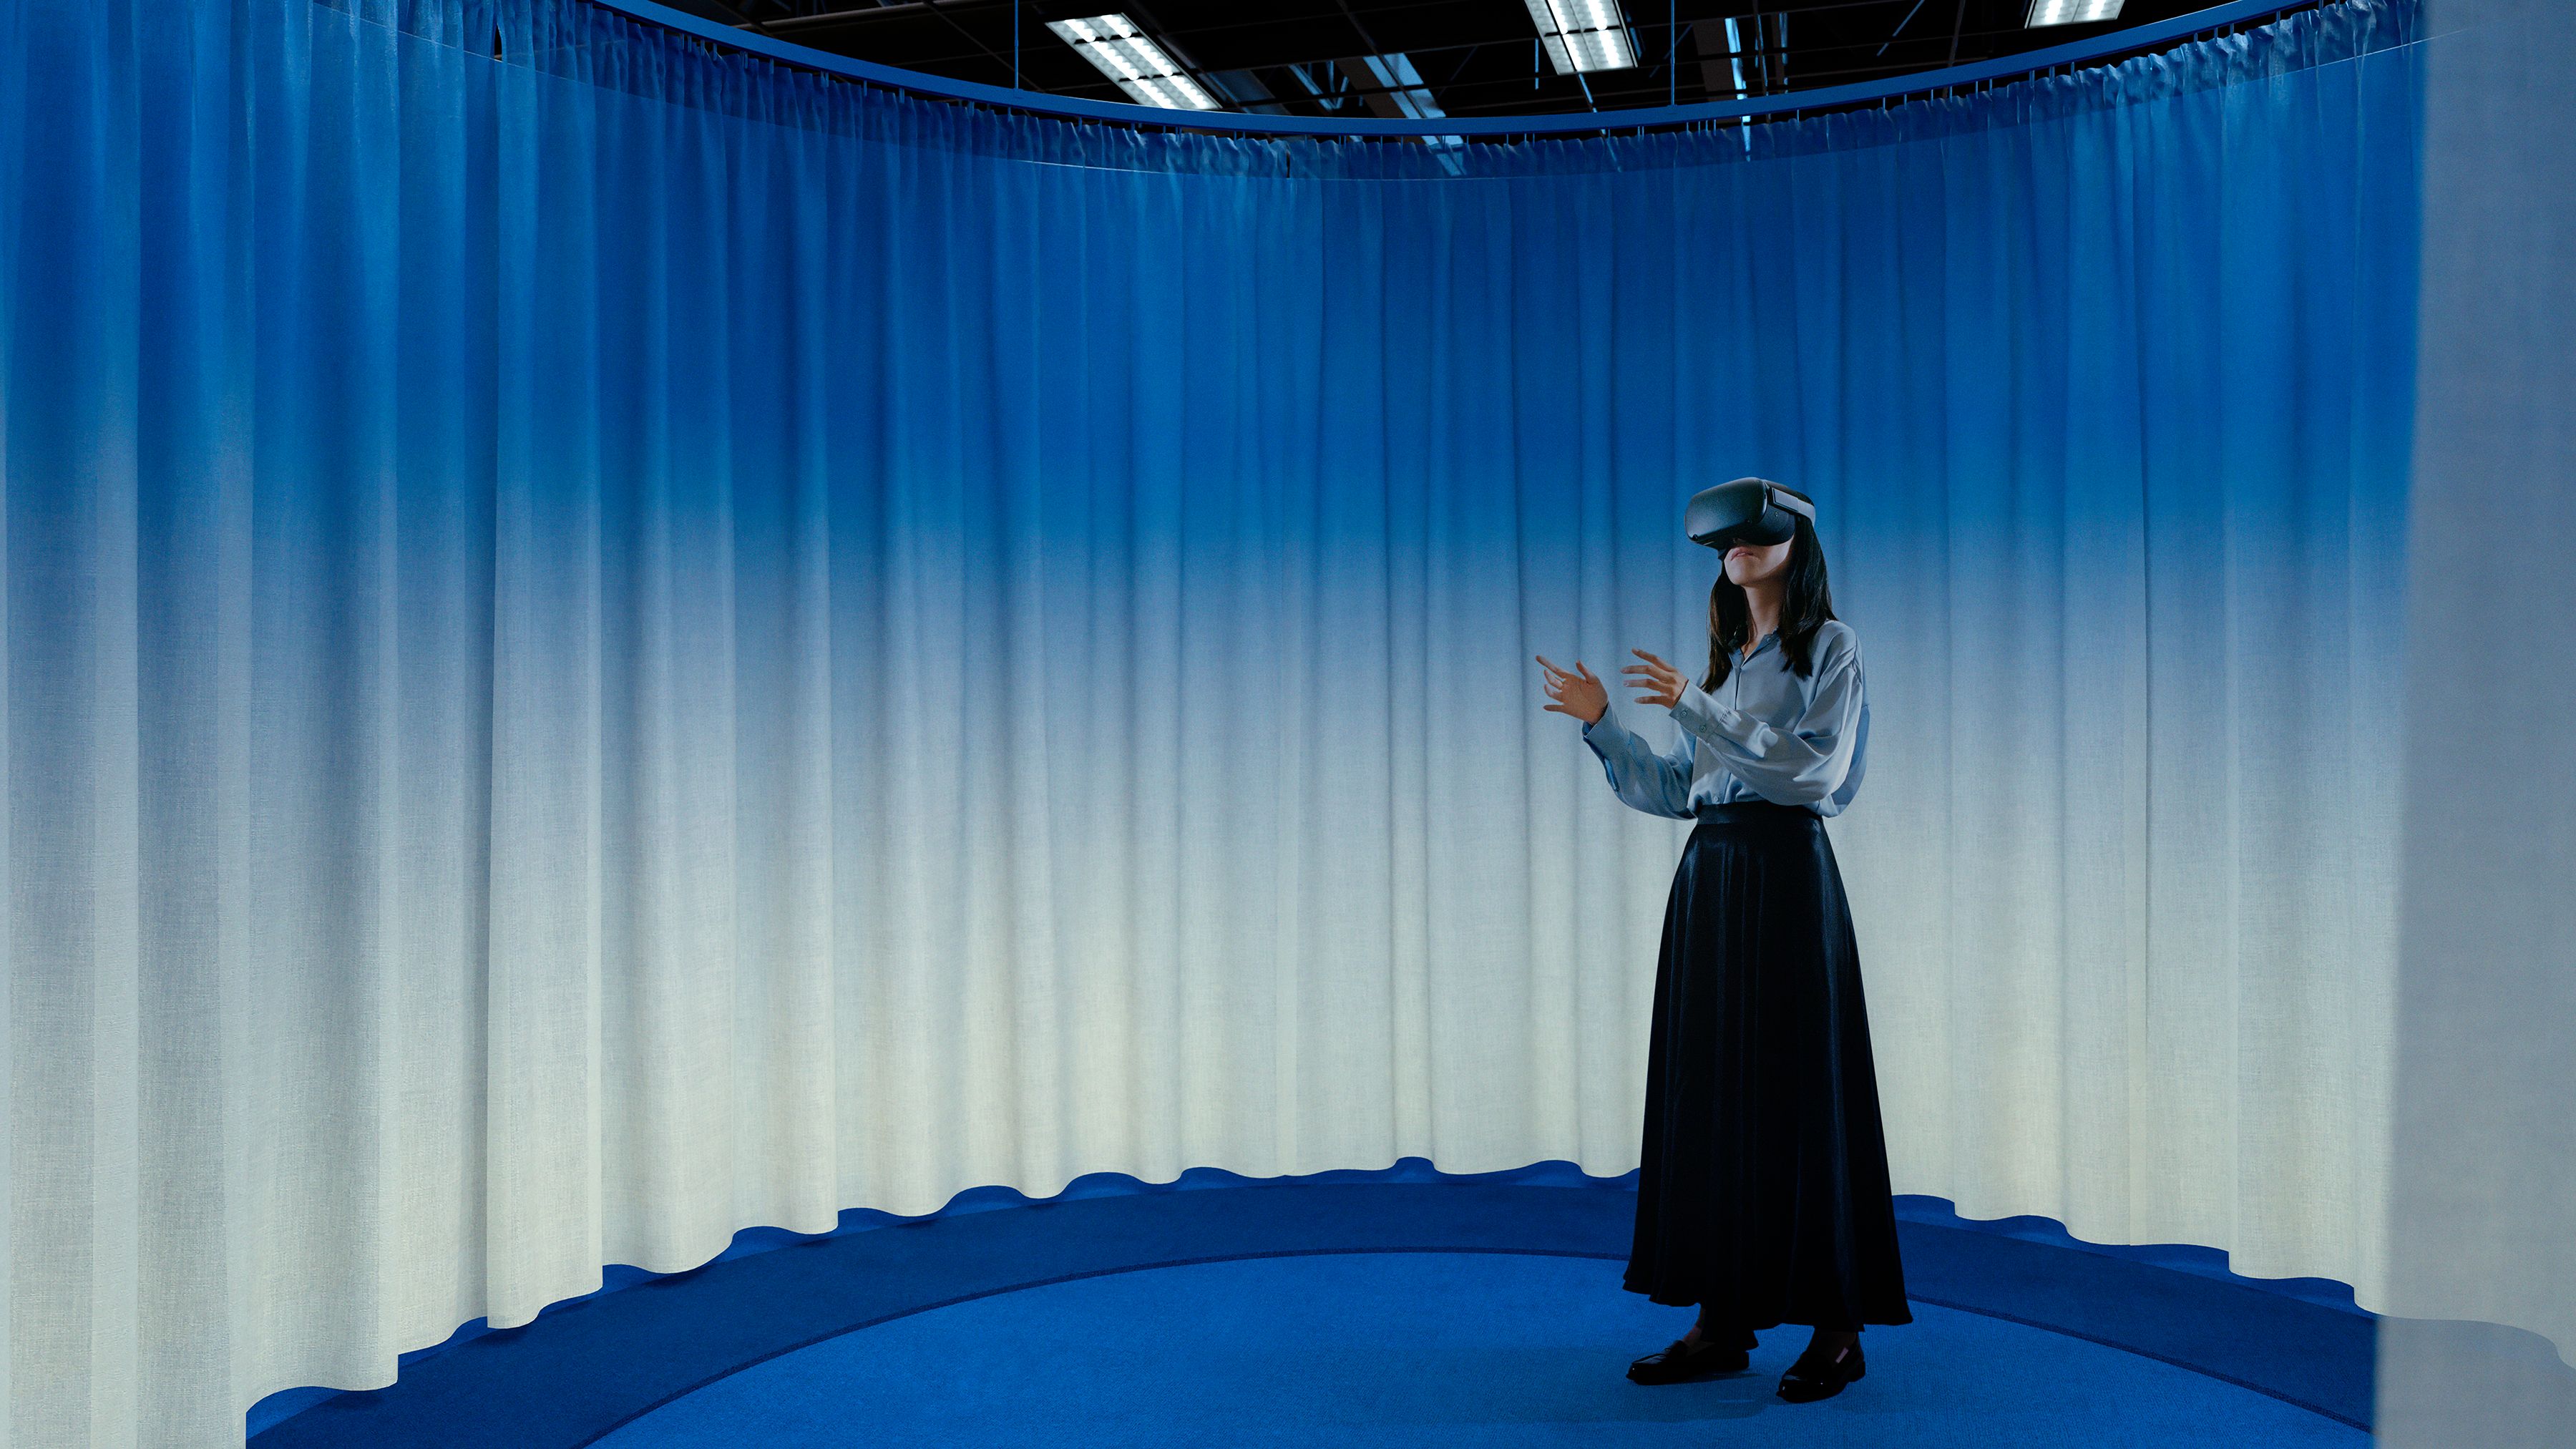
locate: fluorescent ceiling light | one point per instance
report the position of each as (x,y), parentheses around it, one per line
(1120,51)
(2072,12)
(1583,34)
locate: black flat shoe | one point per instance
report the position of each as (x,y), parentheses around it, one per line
(1682,1363)
(1815,1376)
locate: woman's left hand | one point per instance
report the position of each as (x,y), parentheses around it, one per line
(1662,685)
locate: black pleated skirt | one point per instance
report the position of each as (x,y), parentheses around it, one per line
(1762,1191)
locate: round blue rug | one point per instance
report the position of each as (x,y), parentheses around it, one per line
(1367,1306)
(1425,1348)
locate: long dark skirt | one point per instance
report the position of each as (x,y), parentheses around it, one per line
(1762,1192)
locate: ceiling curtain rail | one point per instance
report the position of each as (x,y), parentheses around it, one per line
(2116,44)
(604,42)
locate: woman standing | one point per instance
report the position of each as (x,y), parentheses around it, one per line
(1762,1191)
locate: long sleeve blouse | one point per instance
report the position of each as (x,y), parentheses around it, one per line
(1766,734)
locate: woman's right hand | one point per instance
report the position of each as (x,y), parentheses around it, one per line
(1578,694)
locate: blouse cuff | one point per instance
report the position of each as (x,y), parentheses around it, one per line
(1610,740)
(1698,711)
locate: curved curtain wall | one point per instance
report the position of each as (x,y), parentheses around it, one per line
(2481,1280)
(607,642)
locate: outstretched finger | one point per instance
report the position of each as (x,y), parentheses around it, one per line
(1552,669)
(1578,664)
(1642,654)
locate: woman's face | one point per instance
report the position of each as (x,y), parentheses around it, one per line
(1748,563)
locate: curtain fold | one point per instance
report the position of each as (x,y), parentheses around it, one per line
(607,642)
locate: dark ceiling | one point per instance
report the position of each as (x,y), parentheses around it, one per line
(1474,57)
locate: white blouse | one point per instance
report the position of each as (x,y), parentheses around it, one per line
(1766,734)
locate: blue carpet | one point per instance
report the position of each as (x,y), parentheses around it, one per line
(589,1366)
(1423,1349)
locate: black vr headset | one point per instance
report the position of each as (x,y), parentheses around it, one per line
(1753,511)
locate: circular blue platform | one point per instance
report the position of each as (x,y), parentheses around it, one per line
(1446,1349)
(1355,1309)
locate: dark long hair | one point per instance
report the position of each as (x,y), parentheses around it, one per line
(1806,603)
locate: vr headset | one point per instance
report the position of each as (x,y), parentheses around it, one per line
(1752,511)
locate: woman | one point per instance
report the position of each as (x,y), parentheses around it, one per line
(1762,1192)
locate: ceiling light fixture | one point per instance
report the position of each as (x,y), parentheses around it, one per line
(1120,51)
(2072,12)
(1583,35)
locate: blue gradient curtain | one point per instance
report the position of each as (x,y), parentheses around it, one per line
(606,642)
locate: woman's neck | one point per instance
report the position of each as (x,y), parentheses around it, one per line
(1762,601)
